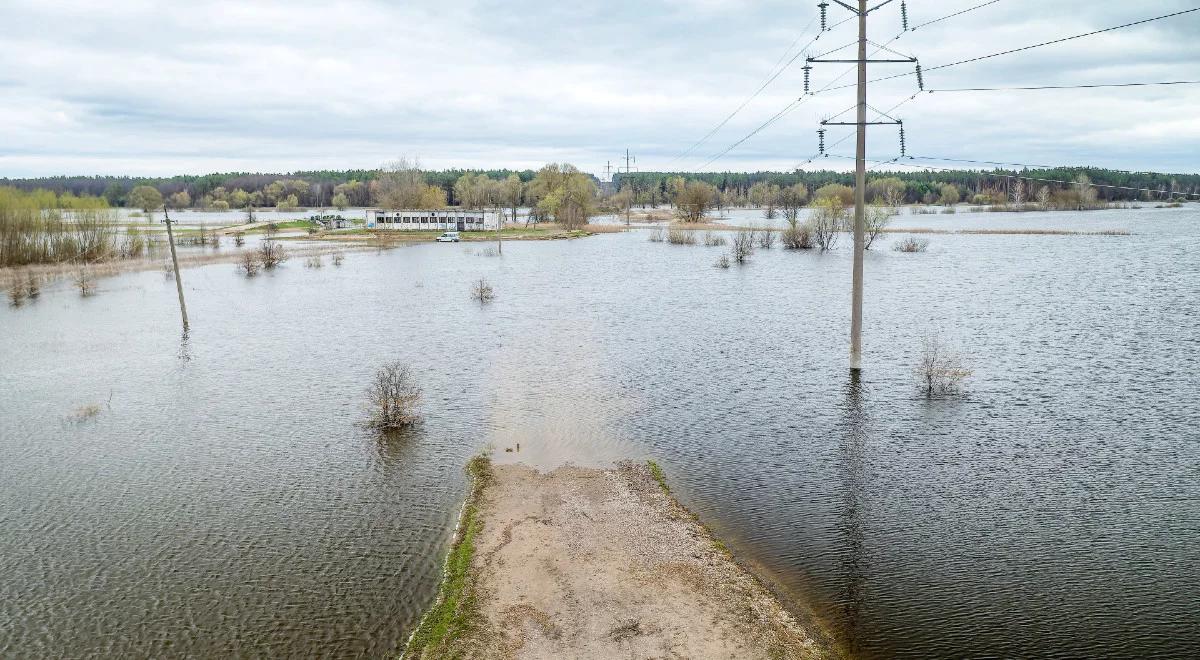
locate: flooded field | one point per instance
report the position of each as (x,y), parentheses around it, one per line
(221,499)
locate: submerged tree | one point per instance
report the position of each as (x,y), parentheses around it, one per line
(939,370)
(394,396)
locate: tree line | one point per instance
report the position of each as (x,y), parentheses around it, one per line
(924,187)
(376,187)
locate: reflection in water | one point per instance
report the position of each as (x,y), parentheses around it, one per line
(185,348)
(852,517)
(553,403)
(392,447)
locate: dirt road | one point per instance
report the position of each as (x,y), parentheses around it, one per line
(585,563)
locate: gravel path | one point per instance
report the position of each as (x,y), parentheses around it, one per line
(585,563)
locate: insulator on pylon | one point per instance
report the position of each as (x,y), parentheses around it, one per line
(920,78)
(821,141)
(904,15)
(824,13)
(903,147)
(807,76)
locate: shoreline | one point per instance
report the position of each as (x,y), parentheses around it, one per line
(582,562)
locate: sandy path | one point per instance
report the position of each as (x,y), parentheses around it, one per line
(582,563)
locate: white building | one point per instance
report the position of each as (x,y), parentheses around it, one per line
(432,220)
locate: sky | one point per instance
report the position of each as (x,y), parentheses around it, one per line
(158,88)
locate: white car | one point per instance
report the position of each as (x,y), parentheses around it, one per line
(449,237)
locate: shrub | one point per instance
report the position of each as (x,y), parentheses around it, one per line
(911,244)
(394,397)
(656,236)
(338,258)
(722,261)
(877,220)
(271,254)
(133,244)
(85,281)
(766,239)
(713,240)
(483,291)
(314,262)
(249,264)
(797,237)
(681,237)
(743,246)
(239,238)
(827,219)
(939,370)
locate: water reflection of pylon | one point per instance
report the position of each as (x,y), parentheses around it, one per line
(852,517)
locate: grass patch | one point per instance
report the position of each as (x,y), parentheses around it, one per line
(656,471)
(455,613)
(261,226)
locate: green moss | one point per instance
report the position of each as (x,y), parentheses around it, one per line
(721,547)
(456,611)
(658,475)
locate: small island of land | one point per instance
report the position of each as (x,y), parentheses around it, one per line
(591,563)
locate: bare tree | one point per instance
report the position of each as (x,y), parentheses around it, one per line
(743,246)
(271,253)
(1018,193)
(483,291)
(878,218)
(394,397)
(1044,197)
(828,218)
(400,185)
(791,199)
(939,370)
(249,263)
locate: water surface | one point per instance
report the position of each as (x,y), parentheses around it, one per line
(225,502)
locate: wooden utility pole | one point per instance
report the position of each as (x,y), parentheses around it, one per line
(860,172)
(175,264)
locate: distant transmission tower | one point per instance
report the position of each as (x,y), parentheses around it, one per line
(860,173)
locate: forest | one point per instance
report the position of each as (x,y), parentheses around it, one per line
(358,188)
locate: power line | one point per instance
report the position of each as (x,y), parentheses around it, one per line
(1032,46)
(965,11)
(828,87)
(1022,177)
(1042,87)
(770,79)
(779,115)
(789,108)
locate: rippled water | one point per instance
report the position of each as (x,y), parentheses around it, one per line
(224,502)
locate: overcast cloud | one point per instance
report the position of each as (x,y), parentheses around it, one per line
(155,88)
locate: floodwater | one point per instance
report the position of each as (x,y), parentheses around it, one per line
(223,501)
